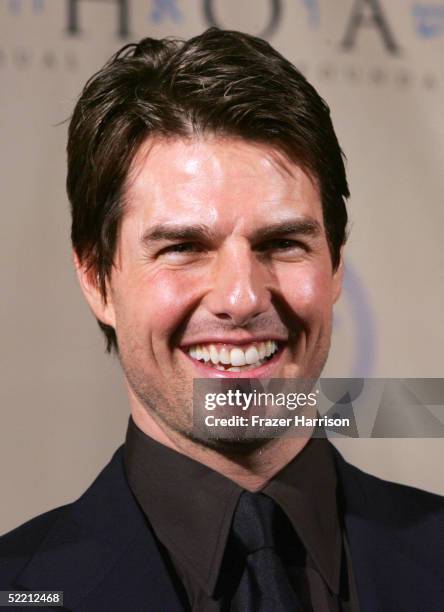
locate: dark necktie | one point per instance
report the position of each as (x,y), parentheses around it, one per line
(264,584)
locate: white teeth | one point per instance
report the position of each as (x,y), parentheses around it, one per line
(214,355)
(237,357)
(224,356)
(262,351)
(251,355)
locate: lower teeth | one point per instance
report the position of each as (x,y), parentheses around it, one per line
(241,368)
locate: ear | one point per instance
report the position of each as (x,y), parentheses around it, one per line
(102,309)
(338,277)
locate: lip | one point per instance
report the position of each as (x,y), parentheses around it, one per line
(263,371)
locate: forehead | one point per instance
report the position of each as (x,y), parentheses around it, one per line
(223,182)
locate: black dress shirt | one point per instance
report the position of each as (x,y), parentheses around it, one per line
(190,509)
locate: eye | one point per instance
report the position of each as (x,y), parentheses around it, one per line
(180,252)
(280,244)
(183,247)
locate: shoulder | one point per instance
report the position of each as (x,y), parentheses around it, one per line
(396,538)
(384,498)
(97,526)
(18,546)
(407,517)
(61,527)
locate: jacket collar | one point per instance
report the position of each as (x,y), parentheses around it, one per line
(102,545)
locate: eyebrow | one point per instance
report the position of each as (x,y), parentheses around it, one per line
(171,232)
(301,227)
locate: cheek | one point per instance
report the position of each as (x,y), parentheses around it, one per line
(155,306)
(309,293)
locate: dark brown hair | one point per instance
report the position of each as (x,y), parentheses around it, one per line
(221,82)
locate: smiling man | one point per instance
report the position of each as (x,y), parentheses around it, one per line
(222,269)
(208,194)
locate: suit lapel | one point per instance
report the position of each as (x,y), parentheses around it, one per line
(102,553)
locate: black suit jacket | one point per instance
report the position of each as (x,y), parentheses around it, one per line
(102,553)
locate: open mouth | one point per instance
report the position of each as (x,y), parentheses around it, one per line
(231,358)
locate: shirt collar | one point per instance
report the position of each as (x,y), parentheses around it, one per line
(190,506)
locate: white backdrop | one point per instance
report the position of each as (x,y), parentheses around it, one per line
(379,65)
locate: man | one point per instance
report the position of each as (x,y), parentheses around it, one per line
(207,190)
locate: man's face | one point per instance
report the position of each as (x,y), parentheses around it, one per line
(222,270)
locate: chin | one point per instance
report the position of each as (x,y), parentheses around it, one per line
(233,445)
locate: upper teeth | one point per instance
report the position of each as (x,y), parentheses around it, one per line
(236,356)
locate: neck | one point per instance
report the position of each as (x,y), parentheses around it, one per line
(251,470)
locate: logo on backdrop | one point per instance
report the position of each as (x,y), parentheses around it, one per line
(364,14)
(313,15)
(268,30)
(166,9)
(428,19)
(359,18)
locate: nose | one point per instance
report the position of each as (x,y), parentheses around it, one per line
(240,288)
